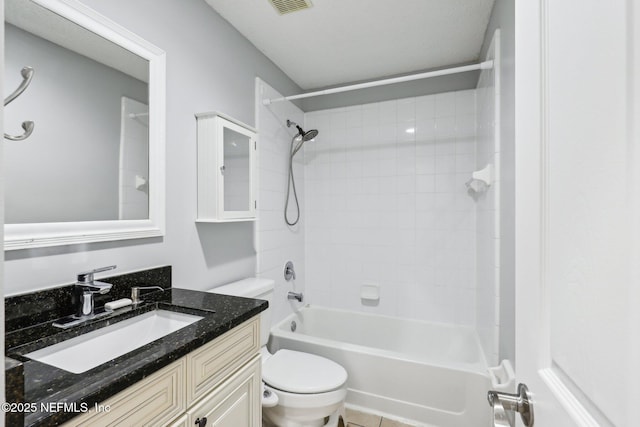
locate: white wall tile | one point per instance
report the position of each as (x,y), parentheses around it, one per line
(425,129)
(487,220)
(425,164)
(425,108)
(353,117)
(370,114)
(406,110)
(387,112)
(445,104)
(465,126)
(445,163)
(425,183)
(406,132)
(277,242)
(388,210)
(465,101)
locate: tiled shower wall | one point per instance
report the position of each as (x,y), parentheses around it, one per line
(277,243)
(488,208)
(386,205)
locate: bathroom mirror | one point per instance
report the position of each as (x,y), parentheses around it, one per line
(237,156)
(93,168)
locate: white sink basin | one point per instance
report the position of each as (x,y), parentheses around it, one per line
(92,349)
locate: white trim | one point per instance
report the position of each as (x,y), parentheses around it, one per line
(444,72)
(226,117)
(573,407)
(26,236)
(213,220)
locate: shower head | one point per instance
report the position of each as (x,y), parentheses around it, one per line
(306,136)
(296,144)
(309,134)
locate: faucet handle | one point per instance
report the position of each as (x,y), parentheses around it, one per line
(87,276)
(289,272)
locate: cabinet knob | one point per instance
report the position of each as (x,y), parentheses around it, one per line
(222,169)
(201,422)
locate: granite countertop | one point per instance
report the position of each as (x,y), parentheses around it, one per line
(47,385)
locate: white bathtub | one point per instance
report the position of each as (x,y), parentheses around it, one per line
(431,374)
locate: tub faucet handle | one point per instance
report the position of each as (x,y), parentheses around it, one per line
(289,272)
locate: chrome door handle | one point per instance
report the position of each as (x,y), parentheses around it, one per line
(520,403)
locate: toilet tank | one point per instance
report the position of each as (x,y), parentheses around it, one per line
(252,287)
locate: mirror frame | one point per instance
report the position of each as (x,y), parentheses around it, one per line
(37,235)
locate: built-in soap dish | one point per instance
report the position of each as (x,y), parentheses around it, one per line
(370,294)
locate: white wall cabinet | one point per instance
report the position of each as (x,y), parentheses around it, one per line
(220,381)
(227,169)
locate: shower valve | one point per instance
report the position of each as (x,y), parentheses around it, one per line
(289,272)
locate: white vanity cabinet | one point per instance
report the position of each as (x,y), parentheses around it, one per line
(219,382)
(227,169)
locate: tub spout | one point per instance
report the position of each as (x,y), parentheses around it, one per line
(295,295)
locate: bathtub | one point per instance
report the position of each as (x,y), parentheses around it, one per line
(425,373)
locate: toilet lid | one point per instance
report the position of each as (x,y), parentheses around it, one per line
(298,372)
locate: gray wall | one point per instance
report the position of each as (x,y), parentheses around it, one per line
(210,66)
(503,17)
(73,154)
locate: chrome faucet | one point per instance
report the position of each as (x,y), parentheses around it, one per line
(85,288)
(295,296)
(289,272)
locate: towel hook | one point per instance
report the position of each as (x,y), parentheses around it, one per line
(27,75)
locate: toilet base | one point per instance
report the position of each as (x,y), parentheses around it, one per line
(299,410)
(334,420)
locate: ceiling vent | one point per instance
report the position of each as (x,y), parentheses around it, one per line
(288,6)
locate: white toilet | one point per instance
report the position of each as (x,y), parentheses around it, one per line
(301,389)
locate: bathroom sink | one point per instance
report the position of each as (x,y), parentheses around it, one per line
(92,349)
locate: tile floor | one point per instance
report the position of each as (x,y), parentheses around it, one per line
(363,419)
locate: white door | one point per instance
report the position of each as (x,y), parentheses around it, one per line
(2,94)
(577,210)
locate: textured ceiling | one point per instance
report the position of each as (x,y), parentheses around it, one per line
(340,41)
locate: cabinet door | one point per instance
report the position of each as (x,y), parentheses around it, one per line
(153,401)
(183,421)
(236,402)
(209,365)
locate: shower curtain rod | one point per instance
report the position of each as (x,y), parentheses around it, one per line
(486,65)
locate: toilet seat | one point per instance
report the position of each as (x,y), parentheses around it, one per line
(304,373)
